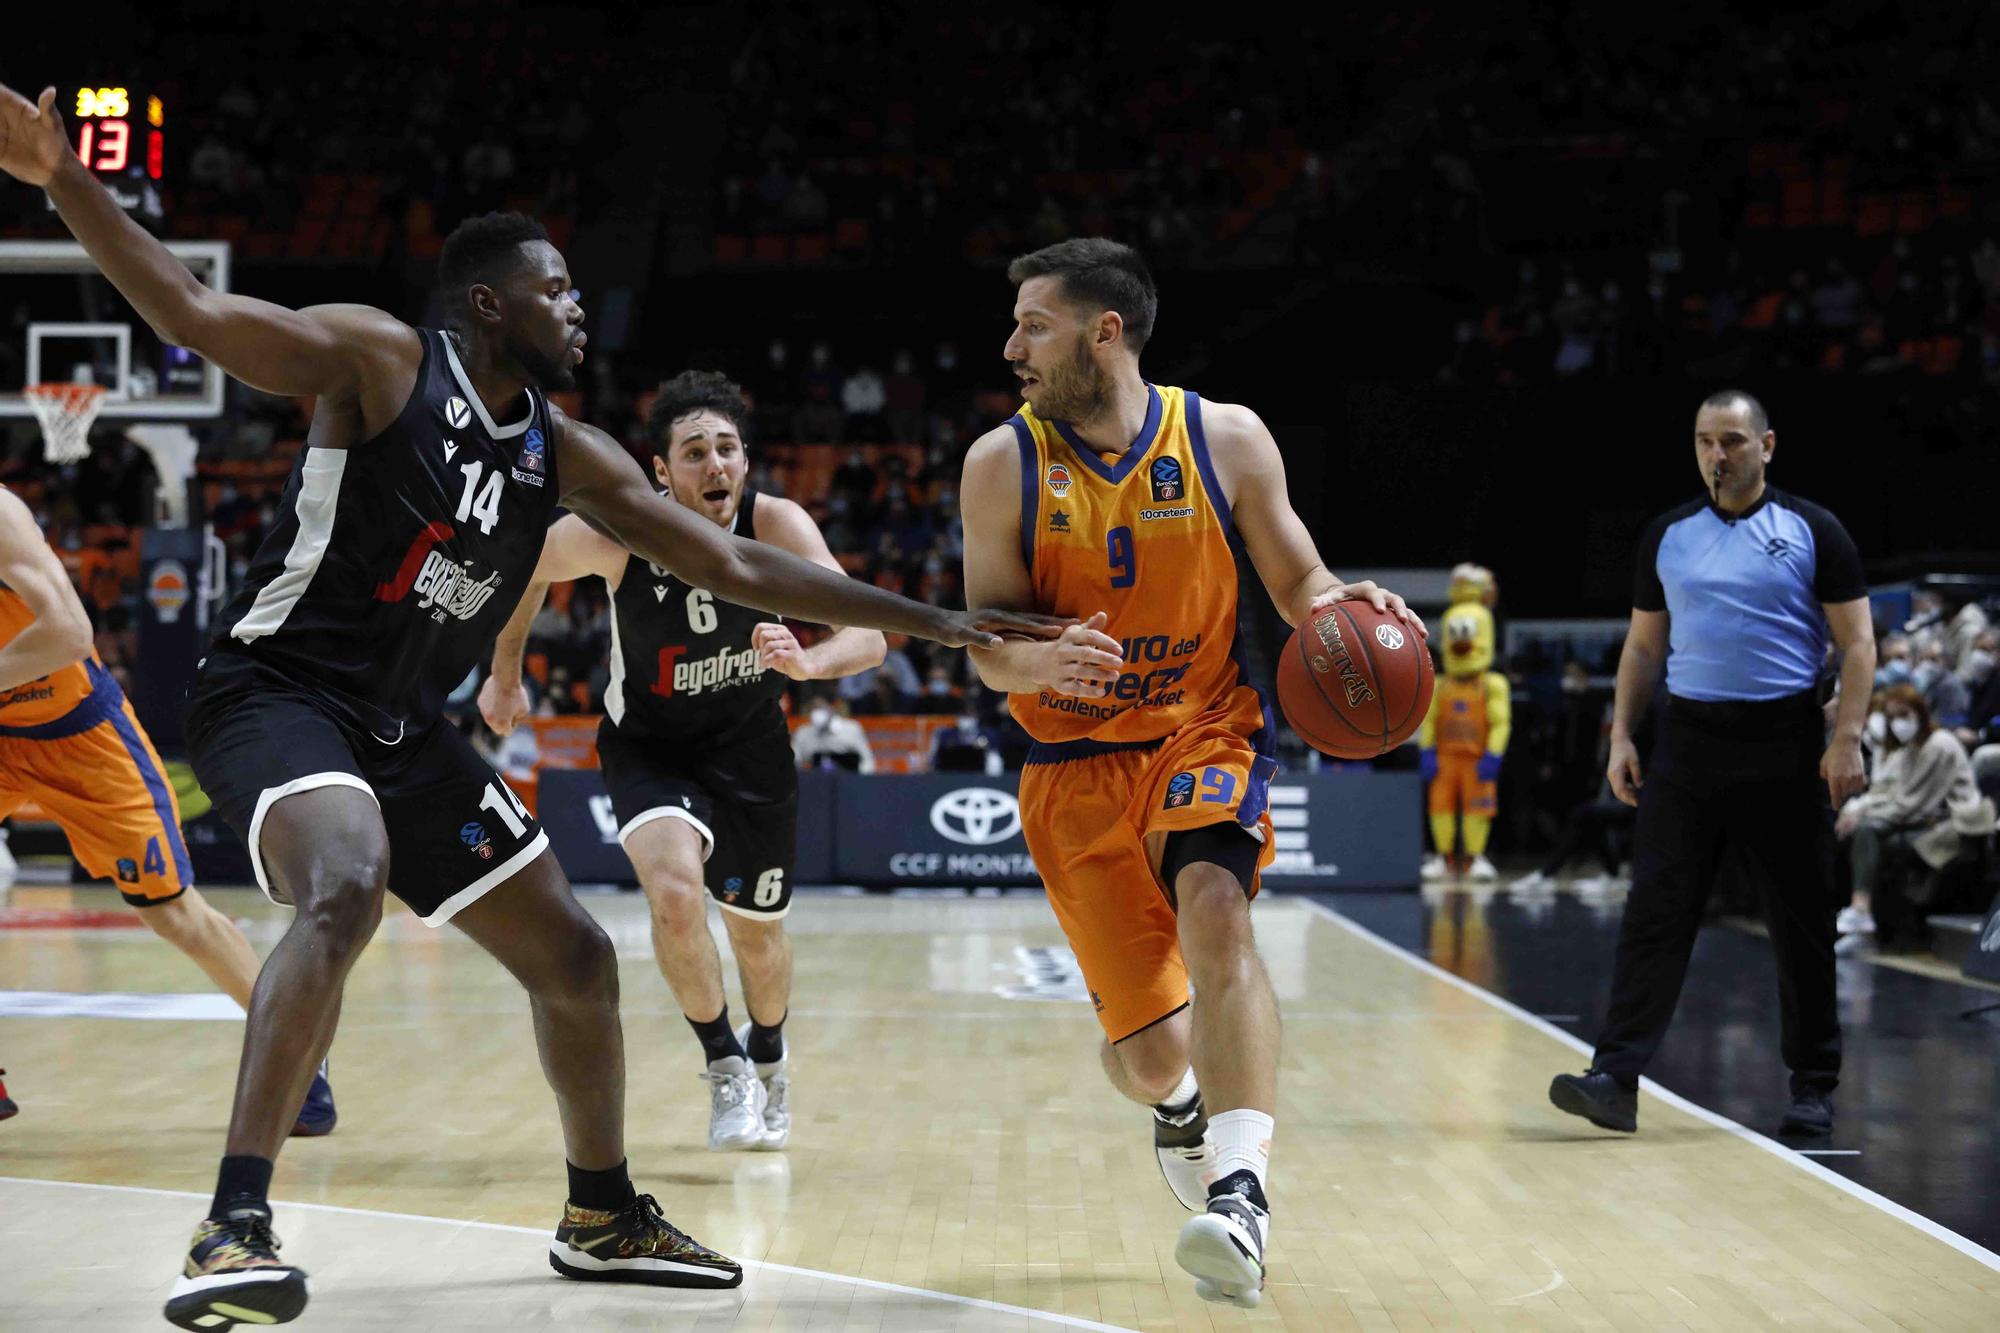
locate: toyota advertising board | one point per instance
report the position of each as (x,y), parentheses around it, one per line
(1346,829)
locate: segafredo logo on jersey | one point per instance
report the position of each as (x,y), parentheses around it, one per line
(444,586)
(1337,660)
(1059,480)
(457,413)
(718,671)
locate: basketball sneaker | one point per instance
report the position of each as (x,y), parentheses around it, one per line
(735,1105)
(635,1244)
(1434,867)
(317,1116)
(233,1276)
(7,1108)
(1223,1246)
(1482,868)
(1187,1158)
(777,1080)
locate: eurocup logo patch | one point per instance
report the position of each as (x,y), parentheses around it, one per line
(1167,483)
(1059,480)
(457,413)
(1180,791)
(473,835)
(732,888)
(531,450)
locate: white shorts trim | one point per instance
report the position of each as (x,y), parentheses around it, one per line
(270,796)
(757,913)
(487,882)
(645,817)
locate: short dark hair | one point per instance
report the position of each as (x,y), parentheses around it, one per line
(1102,274)
(693,391)
(482,249)
(1760,420)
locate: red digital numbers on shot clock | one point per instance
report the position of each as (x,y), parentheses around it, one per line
(116,130)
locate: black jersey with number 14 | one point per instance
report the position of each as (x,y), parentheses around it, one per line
(393,564)
(682,664)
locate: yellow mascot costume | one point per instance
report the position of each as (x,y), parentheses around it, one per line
(1465,734)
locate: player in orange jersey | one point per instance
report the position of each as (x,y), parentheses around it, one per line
(1126,504)
(70,742)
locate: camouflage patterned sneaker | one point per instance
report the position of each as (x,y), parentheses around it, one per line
(234,1276)
(636,1244)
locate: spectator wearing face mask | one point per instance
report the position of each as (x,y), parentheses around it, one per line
(831,739)
(940,695)
(1892,661)
(966,746)
(1982,684)
(1944,694)
(1921,774)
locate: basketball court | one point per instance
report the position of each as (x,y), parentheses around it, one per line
(957,1160)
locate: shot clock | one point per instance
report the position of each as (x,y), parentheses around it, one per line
(120,134)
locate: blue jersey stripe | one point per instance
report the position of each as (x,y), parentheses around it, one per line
(156,787)
(1031,489)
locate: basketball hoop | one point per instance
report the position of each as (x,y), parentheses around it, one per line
(66,412)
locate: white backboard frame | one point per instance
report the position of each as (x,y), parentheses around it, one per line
(70,257)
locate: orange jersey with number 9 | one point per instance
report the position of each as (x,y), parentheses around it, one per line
(1147,538)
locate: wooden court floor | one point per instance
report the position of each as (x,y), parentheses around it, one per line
(957,1161)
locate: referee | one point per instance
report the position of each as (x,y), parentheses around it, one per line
(1737,592)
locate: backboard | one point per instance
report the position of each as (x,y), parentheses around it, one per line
(67,323)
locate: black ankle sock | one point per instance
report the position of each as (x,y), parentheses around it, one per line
(767,1044)
(605,1191)
(241,1180)
(718,1039)
(1241,1182)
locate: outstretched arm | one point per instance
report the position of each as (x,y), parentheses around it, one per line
(1084,661)
(60,632)
(572,550)
(1253,472)
(269,347)
(603,484)
(842,653)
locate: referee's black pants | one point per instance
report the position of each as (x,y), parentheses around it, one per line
(1723,776)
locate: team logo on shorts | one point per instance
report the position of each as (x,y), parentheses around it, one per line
(1180,791)
(128,871)
(457,413)
(1058,478)
(1167,482)
(473,835)
(732,888)
(1389,636)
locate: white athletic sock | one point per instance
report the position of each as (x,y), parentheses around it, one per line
(1179,1100)
(1242,1142)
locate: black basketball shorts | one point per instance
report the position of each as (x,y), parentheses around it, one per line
(456,830)
(741,797)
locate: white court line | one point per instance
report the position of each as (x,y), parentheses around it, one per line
(1829,1152)
(1896,1210)
(1065,1321)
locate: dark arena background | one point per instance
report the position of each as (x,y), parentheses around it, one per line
(1476,272)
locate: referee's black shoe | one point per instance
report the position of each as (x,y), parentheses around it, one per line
(1811,1112)
(1598,1098)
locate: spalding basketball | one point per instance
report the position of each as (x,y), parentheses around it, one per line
(1356,682)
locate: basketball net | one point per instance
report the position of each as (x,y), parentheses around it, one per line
(65,412)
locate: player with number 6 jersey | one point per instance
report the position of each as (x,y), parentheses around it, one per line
(695,748)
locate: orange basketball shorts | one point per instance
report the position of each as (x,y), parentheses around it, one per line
(107,789)
(1457,788)
(1096,817)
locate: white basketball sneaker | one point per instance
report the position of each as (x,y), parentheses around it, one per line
(1434,867)
(1224,1248)
(777,1081)
(1482,869)
(1187,1158)
(735,1105)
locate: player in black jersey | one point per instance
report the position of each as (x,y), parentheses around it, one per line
(696,752)
(411,520)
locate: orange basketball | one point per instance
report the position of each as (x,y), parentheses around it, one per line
(1356,682)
